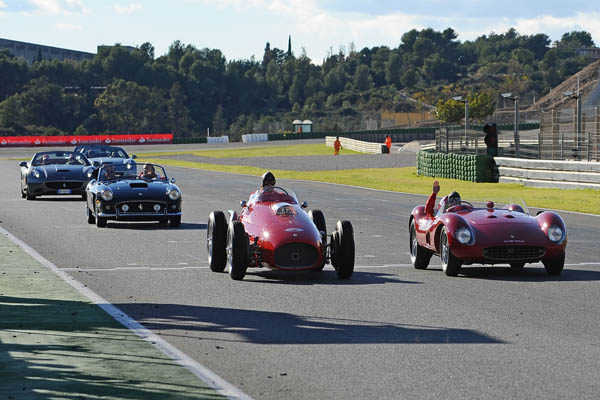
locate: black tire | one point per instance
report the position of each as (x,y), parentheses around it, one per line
(237,250)
(450,264)
(343,249)
(175,221)
(83,196)
(317,217)
(517,266)
(91,219)
(27,195)
(555,266)
(23,195)
(216,241)
(100,221)
(419,255)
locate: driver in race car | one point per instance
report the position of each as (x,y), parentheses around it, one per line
(268,180)
(453,199)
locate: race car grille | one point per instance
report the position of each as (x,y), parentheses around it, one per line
(63,185)
(296,255)
(514,252)
(137,207)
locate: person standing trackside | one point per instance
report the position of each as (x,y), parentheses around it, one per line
(337,145)
(491,139)
(388,143)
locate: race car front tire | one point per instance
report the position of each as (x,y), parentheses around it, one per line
(237,250)
(343,249)
(419,255)
(450,264)
(555,265)
(216,241)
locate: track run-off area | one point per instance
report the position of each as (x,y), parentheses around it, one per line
(388,332)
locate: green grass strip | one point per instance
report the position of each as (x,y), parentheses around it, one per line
(406,180)
(315,149)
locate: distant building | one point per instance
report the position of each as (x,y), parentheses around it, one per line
(592,52)
(305,126)
(30,51)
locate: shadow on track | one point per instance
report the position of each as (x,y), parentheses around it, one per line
(267,327)
(325,277)
(152,225)
(533,273)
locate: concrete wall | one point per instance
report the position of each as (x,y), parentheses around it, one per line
(550,174)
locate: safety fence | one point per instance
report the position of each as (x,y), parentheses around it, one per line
(562,137)
(356,145)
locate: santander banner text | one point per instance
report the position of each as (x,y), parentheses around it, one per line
(29,141)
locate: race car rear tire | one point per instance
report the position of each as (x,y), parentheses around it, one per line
(450,264)
(237,250)
(317,217)
(419,255)
(555,266)
(216,241)
(91,219)
(342,257)
(175,221)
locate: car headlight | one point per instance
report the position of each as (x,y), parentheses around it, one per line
(555,233)
(174,194)
(107,195)
(463,235)
(36,172)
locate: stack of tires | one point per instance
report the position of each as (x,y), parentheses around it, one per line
(466,167)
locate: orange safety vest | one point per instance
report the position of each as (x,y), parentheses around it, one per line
(388,142)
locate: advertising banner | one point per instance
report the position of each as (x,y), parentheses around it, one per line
(32,141)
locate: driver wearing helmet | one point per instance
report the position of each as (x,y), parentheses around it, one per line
(453,199)
(268,180)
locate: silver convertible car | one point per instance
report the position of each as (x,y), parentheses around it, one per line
(132,192)
(55,173)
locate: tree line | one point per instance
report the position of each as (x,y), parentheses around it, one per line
(188,90)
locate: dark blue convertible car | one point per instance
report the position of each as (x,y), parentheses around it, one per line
(55,172)
(133,192)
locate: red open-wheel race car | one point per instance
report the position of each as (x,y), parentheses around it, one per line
(273,231)
(463,235)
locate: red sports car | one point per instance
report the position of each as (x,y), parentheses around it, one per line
(463,234)
(275,232)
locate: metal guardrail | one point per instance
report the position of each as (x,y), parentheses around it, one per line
(356,145)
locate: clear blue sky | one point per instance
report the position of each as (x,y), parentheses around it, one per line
(240,28)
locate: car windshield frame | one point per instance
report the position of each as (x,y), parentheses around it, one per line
(103,151)
(269,195)
(131,171)
(59,158)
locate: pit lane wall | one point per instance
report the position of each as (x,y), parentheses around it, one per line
(466,167)
(33,141)
(549,173)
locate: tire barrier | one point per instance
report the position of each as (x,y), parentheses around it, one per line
(466,167)
(255,137)
(189,140)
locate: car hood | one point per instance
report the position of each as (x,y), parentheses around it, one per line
(502,227)
(487,217)
(139,190)
(64,172)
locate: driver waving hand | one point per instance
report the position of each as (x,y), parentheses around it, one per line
(452,199)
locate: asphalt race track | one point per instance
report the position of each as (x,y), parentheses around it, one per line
(389,332)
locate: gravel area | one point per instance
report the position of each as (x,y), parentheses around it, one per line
(312,163)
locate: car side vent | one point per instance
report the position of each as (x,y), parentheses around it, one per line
(491,216)
(509,216)
(62,170)
(138,185)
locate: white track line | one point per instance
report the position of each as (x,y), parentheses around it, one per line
(220,385)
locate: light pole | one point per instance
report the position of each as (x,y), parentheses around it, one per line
(515,99)
(466,101)
(572,95)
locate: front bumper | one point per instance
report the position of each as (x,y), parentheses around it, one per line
(42,188)
(138,210)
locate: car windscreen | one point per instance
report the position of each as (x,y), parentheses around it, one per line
(104,152)
(276,193)
(132,171)
(59,158)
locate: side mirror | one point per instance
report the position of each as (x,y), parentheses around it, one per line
(134,157)
(23,164)
(304,204)
(243,203)
(173,180)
